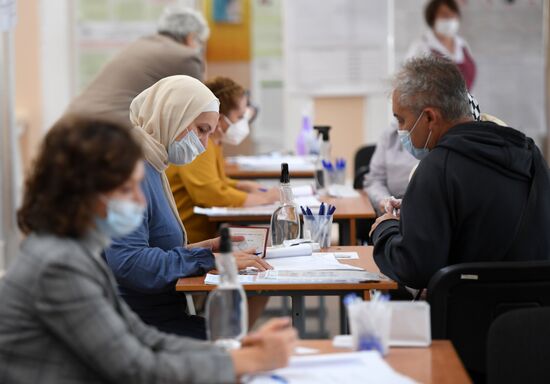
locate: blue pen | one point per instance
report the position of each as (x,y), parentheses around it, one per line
(303,211)
(327,165)
(322,209)
(331,211)
(262,189)
(309,211)
(278,378)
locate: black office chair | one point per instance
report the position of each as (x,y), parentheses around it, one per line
(518,347)
(361,164)
(466,298)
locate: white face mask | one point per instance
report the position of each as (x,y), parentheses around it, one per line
(186,150)
(447,27)
(236,132)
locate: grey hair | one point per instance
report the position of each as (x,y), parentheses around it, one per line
(178,22)
(432,81)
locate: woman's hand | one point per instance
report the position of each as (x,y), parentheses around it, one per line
(269,348)
(248,258)
(214,244)
(391,205)
(249,186)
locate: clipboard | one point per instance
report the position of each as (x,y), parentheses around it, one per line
(255,237)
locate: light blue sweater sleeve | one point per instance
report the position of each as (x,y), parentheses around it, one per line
(152,258)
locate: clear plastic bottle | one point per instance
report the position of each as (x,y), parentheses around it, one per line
(226,307)
(285,221)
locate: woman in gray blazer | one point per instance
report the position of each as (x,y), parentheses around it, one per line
(61,320)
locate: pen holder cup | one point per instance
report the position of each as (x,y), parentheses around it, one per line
(336,177)
(318,228)
(370,323)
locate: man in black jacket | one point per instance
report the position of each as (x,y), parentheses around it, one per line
(480,193)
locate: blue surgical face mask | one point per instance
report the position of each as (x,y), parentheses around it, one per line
(123,218)
(405,137)
(186,150)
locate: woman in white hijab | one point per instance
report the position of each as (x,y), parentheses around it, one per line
(172,120)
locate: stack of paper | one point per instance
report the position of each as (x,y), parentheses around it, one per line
(349,368)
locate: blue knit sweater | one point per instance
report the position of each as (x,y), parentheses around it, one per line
(148,262)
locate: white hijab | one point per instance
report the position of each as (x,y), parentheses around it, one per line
(161,113)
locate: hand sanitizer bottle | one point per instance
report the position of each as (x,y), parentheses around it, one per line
(285,221)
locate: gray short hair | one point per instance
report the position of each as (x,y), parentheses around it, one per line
(432,81)
(178,22)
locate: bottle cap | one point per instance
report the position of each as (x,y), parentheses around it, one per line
(285,177)
(323,131)
(225,240)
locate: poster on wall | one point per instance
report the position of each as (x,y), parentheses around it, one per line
(227,11)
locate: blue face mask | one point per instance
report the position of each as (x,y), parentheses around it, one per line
(123,218)
(405,137)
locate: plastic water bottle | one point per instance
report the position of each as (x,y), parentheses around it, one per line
(226,307)
(285,221)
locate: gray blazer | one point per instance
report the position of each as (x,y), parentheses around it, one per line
(61,321)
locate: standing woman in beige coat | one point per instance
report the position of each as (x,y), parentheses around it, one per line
(61,320)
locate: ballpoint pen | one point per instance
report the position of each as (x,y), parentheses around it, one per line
(322,209)
(303,211)
(278,378)
(262,189)
(331,211)
(309,211)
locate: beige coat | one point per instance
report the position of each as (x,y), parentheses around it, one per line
(134,69)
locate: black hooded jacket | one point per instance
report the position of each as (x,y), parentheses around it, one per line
(467,202)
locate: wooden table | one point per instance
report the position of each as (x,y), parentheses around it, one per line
(298,291)
(437,364)
(236,172)
(348,210)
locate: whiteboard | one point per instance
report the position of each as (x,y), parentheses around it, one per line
(337,47)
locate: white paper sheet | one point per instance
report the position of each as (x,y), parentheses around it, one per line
(346,255)
(273,162)
(291,251)
(262,210)
(315,262)
(349,368)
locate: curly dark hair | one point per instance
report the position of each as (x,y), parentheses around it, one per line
(227,91)
(433,6)
(79,158)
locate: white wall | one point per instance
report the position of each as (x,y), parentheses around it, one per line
(57,56)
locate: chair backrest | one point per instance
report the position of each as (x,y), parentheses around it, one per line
(518,347)
(466,298)
(361,164)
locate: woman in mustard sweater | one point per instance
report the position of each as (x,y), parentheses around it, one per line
(204,182)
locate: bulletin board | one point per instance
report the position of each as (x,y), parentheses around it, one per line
(229,39)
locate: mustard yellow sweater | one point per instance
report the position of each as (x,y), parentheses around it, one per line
(203,183)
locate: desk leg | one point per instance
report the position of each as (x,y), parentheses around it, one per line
(298,315)
(353,232)
(344,329)
(366,295)
(344,232)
